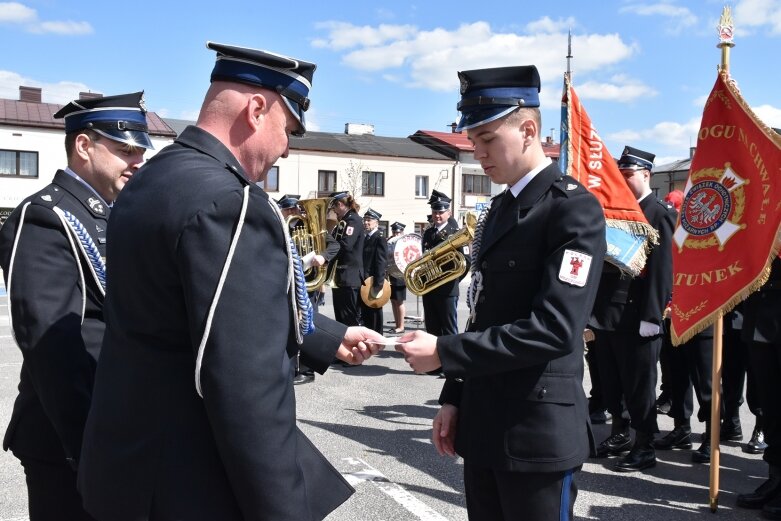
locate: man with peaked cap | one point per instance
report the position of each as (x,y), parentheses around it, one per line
(347,267)
(52,251)
(627,321)
(193,414)
(398,286)
(440,304)
(375,263)
(513,404)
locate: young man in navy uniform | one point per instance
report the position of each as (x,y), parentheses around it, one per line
(440,304)
(348,264)
(627,322)
(52,251)
(513,404)
(193,415)
(398,286)
(375,262)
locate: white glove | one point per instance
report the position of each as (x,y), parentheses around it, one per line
(306,260)
(648,329)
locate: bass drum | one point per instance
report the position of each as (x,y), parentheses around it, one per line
(403,250)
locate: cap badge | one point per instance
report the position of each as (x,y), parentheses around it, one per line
(464,83)
(142,104)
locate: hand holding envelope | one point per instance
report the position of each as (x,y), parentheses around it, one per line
(420,351)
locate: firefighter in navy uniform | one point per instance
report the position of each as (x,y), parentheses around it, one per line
(513,404)
(627,322)
(52,250)
(440,304)
(398,286)
(193,411)
(348,264)
(375,261)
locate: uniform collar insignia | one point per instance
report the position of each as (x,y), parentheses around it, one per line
(96,205)
(47,198)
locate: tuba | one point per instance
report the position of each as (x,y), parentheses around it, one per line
(442,263)
(309,236)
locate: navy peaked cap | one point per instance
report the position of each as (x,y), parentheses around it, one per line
(398,227)
(339,195)
(636,158)
(290,77)
(121,118)
(490,94)
(288,201)
(439,201)
(372,214)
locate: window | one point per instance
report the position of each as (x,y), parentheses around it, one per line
(477,184)
(421,186)
(326,182)
(420,228)
(18,163)
(271,184)
(374,183)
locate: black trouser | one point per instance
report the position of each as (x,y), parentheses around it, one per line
(692,366)
(627,366)
(346,306)
(51,492)
(735,372)
(664,360)
(498,495)
(766,363)
(371,317)
(440,315)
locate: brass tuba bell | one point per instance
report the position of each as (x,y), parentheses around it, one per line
(442,263)
(309,236)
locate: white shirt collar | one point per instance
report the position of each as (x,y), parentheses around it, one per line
(525,180)
(74,175)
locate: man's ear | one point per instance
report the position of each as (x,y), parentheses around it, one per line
(529,129)
(257,107)
(81,146)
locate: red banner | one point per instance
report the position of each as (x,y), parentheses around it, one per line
(727,232)
(585,157)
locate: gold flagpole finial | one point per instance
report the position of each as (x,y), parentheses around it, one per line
(726,30)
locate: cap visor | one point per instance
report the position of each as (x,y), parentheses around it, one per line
(295,109)
(135,138)
(481,117)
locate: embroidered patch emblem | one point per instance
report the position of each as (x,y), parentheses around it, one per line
(349,230)
(574,268)
(571,187)
(47,198)
(96,206)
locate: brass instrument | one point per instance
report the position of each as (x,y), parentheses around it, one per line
(310,237)
(442,263)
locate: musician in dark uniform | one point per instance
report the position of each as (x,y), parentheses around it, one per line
(375,262)
(439,305)
(52,251)
(348,264)
(193,414)
(288,205)
(627,323)
(513,404)
(398,286)
(762,333)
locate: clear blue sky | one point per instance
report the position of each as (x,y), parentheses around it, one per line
(642,69)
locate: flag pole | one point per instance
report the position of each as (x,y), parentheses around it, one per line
(726,30)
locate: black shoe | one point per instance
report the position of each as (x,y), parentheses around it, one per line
(302,378)
(663,404)
(702,454)
(756,445)
(772,509)
(641,457)
(599,417)
(731,430)
(615,445)
(678,438)
(770,489)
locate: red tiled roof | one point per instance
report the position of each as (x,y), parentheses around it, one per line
(40,115)
(459,141)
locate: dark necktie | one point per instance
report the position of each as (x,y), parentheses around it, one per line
(498,213)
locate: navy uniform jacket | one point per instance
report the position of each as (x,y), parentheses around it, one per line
(762,311)
(622,301)
(433,237)
(375,258)
(152,445)
(516,374)
(57,318)
(349,261)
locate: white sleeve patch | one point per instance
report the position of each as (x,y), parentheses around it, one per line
(574,268)
(349,231)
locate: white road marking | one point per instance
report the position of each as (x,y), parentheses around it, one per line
(365,472)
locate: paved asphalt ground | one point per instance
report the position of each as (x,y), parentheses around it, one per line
(373,423)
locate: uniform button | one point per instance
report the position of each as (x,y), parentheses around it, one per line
(484,265)
(511,264)
(542,393)
(459,380)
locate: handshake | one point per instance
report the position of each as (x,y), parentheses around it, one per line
(419,348)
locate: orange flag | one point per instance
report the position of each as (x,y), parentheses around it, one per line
(727,232)
(585,157)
